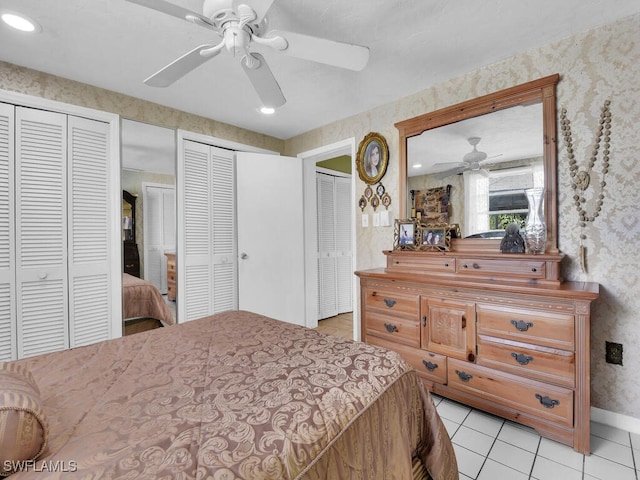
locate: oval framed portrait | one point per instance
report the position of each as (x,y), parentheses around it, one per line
(372,158)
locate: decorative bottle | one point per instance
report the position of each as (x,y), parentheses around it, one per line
(535,229)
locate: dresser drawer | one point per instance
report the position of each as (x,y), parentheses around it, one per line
(532,269)
(394,328)
(529,396)
(430,366)
(421,263)
(542,363)
(550,329)
(392,302)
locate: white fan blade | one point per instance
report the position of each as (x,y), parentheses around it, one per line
(343,55)
(180,67)
(261,7)
(264,83)
(175,11)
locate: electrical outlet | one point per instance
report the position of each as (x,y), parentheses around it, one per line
(613,353)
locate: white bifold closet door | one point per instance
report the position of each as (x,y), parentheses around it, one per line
(159,231)
(207,259)
(334,245)
(54,224)
(8,327)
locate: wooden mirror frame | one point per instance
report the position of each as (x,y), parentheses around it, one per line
(542,90)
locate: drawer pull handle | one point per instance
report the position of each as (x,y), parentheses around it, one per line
(464,376)
(446,264)
(521,358)
(534,269)
(464,323)
(430,366)
(389,303)
(546,401)
(424,320)
(390,328)
(476,266)
(521,325)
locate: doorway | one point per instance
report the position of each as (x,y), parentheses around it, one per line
(310,160)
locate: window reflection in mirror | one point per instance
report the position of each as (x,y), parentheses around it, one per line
(488,160)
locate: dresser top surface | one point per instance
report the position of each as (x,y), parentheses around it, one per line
(574,290)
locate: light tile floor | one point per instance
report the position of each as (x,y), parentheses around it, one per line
(489,447)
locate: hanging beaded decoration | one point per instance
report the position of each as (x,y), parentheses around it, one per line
(581,179)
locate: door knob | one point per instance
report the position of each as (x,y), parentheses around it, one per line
(244,256)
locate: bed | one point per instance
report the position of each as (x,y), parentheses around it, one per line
(235,395)
(142,300)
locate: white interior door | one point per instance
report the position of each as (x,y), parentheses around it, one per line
(271,273)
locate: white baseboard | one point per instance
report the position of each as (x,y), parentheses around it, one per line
(616,420)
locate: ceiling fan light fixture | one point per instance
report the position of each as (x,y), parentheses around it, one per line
(21,22)
(474,157)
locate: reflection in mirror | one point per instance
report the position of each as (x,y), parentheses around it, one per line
(149,174)
(485,152)
(488,160)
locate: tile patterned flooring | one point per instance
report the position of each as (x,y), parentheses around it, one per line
(489,447)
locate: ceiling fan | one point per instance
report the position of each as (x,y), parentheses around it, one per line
(473,160)
(240,23)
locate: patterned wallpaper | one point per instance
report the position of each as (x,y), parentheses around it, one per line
(594,66)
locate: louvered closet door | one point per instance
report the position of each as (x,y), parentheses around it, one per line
(195,270)
(8,345)
(89,245)
(159,203)
(225,265)
(344,266)
(41,234)
(327,278)
(208,278)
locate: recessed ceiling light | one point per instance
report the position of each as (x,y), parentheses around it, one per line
(268,110)
(21,22)
(416,165)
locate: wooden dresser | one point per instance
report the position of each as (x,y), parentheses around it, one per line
(171,276)
(499,332)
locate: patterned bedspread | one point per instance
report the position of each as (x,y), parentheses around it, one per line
(236,396)
(142,299)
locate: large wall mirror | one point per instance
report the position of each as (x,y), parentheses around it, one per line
(486,151)
(148,179)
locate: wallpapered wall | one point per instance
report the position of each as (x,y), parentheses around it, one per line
(594,66)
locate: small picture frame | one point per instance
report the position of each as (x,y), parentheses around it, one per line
(434,237)
(372,158)
(404,235)
(362,203)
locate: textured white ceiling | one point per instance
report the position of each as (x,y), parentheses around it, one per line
(115,45)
